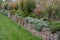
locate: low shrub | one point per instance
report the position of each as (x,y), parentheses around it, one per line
(54,26)
(19,12)
(41,24)
(4,12)
(37,22)
(32,15)
(28,5)
(27,8)
(22,13)
(13,11)
(25,14)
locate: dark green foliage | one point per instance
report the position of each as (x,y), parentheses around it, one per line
(25,14)
(21,13)
(30,5)
(55,26)
(32,15)
(58,12)
(27,7)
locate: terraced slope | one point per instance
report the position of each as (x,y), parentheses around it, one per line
(9,30)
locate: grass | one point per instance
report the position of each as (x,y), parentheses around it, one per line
(10,30)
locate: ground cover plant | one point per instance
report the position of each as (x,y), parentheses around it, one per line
(54,26)
(39,23)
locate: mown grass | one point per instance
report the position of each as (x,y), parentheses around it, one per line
(10,30)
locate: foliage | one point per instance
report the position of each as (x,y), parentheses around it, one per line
(27,7)
(47,8)
(21,13)
(10,5)
(4,12)
(31,20)
(37,22)
(13,11)
(30,5)
(52,12)
(4,5)
(58,12)
(55,26)
(24,14)
(41,24)
(32,15)
(56,8)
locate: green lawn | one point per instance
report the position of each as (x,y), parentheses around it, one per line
(10,30)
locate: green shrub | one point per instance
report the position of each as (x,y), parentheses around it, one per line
(13,11)
(31,20)
(19,12)
(27,7)
(27,19)
(41,24)
(22,13)
(37,22)
(55,26)
(58,12)
(32,15)
(4,12)
(30,5)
